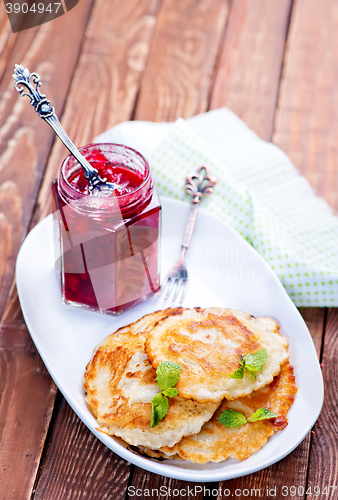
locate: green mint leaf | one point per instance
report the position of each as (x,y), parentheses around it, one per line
(232,418)
(171,392)
(157,400)
(255,361)
(261,414)
(168,374)
(163,407)
(238,373)
(154,415)
(159,408)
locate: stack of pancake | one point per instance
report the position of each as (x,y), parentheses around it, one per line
(120,382)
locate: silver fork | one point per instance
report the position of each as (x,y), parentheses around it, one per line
(199,184)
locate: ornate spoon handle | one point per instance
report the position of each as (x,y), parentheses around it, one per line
(53,121)
(26,80)
(199,184)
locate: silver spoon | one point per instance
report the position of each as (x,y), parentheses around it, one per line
(98,187)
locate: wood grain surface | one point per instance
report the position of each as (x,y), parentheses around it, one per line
(25,140)
(106,80)
(323,463)
(78,466)
(271,62)
(306,130)
(121,37)
(249,69)
(252,30)
(306,125)
(7,40)
(182,59)
(26,390)
(26,396)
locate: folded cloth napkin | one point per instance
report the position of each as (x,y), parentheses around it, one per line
(259,193)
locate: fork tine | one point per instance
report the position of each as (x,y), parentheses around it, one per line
(178,285)
(164,285)
(184,288)
(174,288)
(171,284)
(178,289)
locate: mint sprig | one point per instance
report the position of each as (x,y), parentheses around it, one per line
(261,414)
(252,363)
(256,360)
(232,418)
(159,408)
(167,375)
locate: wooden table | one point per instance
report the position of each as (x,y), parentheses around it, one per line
(275,64)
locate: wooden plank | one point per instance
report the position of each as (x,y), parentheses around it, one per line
(107,79)
(27,396)
(247,81)
(306,130)
(314,318)
(306,125)
(323,465)
(7,40)
(103,92)
(128,36)
(250,65)
(27,391)
(78,465)
(182,59)
(25,140)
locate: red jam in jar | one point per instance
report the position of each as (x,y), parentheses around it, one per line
(108,249)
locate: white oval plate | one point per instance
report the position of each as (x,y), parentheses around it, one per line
(224,270)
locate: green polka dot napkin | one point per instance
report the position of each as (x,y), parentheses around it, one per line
(259,193)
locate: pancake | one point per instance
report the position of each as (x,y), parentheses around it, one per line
(120,384)
(216,443)
(208,344)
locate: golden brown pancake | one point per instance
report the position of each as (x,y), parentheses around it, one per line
(216,443)
(120,384)
(208,344)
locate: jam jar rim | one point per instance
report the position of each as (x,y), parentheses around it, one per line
(76,195)
(92,144)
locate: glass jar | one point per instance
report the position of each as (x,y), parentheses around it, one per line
(107,248)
